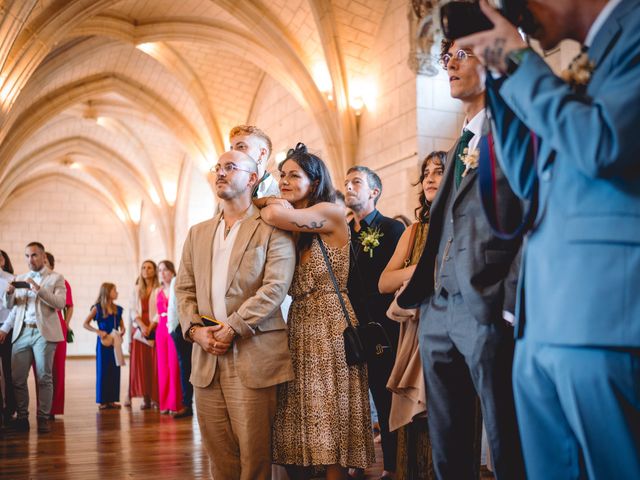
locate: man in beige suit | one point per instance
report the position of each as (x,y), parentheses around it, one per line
(36,333)
(236,269)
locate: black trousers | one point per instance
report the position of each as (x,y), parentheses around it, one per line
(183,349)
(464,360)
(379,371)
(8,403)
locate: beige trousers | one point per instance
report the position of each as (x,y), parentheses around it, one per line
(235,424)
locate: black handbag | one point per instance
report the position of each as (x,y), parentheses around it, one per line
(362,343)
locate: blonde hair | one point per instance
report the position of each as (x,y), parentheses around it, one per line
(141,283)
(104,297)
(252,130)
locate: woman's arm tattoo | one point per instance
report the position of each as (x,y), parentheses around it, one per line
(312,226)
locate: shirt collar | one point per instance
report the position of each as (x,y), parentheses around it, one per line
(366,221)
(476,123)
(602,17)
(37,273)
(265,182)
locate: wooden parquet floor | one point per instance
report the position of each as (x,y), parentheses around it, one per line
(86,444)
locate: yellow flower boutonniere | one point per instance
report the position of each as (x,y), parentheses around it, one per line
(578,74)
(470,160)
(370,239)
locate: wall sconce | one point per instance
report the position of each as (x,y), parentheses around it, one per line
(322,78)
(155,198)
(362,96)
(170,192)
(135,211)
(357,104)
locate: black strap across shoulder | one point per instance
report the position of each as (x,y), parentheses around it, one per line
(334,281)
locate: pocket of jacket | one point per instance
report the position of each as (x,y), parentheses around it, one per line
(272,326)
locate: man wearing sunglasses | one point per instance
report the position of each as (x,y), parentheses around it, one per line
(466,344)
(577,365)
(234,273)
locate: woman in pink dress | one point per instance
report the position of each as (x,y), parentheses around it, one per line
(169,389)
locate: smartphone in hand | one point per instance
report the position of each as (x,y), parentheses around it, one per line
(209,321)
(21,284)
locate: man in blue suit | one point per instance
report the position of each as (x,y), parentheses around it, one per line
(577,366)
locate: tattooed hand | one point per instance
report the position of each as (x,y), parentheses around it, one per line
(493,46)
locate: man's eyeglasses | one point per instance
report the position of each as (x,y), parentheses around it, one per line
(227,168)
(460,55)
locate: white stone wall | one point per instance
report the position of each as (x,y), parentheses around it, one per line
(412,115)
(87,240)
(286,122)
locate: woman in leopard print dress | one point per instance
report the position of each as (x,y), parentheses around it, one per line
(323,419)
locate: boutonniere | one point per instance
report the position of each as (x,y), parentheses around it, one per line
(370,239)
(470,159)
(578,74)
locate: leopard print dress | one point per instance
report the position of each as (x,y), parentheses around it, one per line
(323,415)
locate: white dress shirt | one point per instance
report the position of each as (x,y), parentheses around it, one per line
(30,313)
(475,125)
(222,248)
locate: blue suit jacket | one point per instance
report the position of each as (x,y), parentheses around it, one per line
(581,263)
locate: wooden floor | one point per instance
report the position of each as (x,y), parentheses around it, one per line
(87,444)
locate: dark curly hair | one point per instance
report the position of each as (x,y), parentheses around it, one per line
(445,45)
(422,212)
(321,186)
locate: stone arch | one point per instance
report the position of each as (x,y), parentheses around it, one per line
(110,203)
(57,101)
(30,46)
(280,60)
(101,158)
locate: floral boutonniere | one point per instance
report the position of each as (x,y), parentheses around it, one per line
(470,159)
(578,74)
(370,239)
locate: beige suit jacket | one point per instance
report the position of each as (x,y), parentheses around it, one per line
(52,296)
(260,273)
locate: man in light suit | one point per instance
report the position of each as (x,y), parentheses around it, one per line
(577,366)
(466,282)
(236,269)
(36,333)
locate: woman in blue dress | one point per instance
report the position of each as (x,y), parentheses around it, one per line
(108,316)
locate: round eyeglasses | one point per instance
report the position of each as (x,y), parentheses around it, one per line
(460,55)
(227,169)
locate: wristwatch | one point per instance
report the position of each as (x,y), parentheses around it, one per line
(515,57)
(192,330)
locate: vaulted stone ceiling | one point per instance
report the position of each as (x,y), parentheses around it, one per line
(126,97)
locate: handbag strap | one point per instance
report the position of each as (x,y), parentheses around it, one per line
(412,239)
(334,281)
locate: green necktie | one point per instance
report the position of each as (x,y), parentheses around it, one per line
(466,137)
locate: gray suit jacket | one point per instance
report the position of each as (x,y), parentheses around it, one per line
(52,296)
(260,273)
(486,266)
